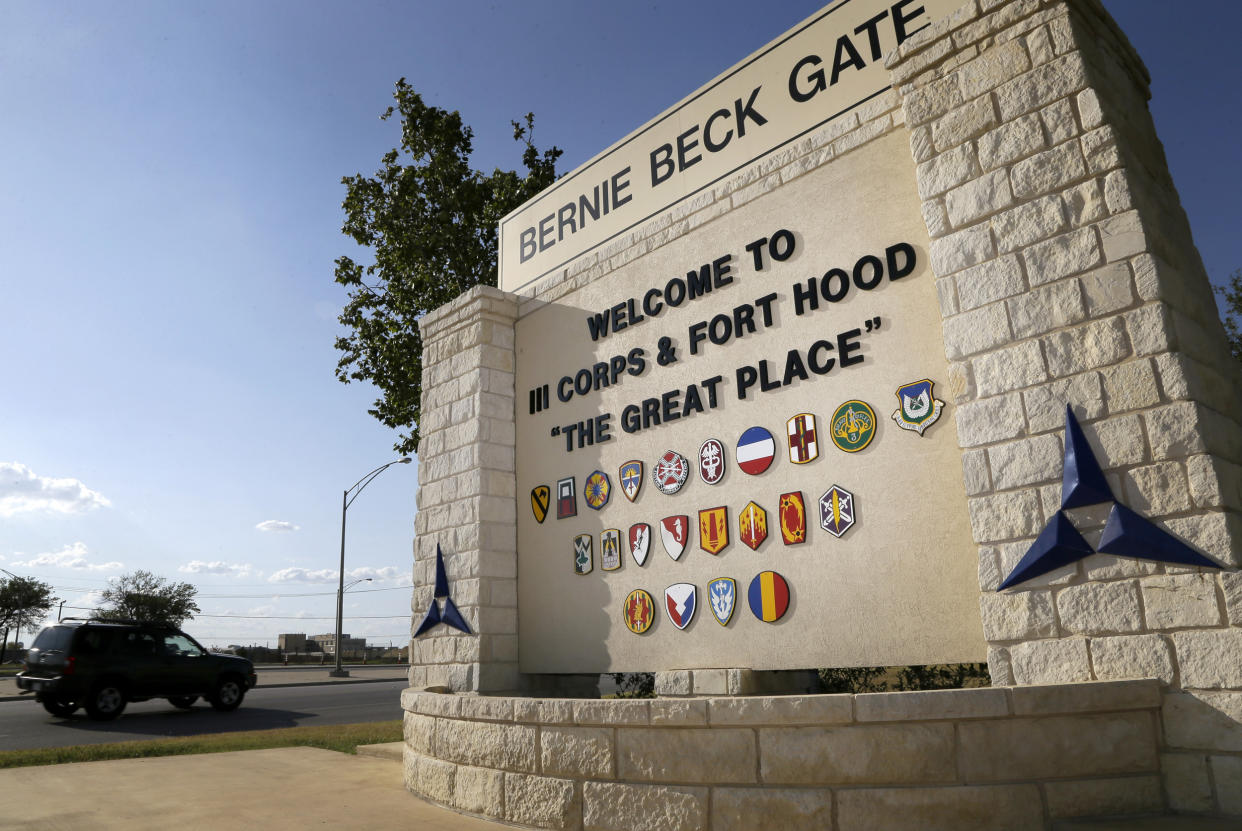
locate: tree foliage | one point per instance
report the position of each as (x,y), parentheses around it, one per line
(430,222)
(147,597)
(24,602)
(1231,313)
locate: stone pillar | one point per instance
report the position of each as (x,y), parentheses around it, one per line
(1066,274)
(467,494)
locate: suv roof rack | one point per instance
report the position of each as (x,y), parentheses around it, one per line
(123,620)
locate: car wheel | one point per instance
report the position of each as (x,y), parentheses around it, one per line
(185,702)
(59,706)
(106,701)
(228,694)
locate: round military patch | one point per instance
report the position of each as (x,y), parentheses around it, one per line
(853,426)
(768,596)
(670,471)
(639,611)
(596,490)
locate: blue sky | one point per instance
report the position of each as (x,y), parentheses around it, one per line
(169,216)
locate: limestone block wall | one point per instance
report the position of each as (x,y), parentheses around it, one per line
(1067,274)
(950,759)
(466,493)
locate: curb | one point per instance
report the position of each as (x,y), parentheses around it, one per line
(30,696)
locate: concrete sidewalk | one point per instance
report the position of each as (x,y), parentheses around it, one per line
(290,788)
(270,677)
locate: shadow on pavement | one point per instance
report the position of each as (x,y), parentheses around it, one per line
(199,720)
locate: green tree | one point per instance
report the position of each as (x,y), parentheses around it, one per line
(146,597)
(430,222)
(1231,313)
(24,602)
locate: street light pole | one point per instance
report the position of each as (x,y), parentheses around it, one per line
(346,501)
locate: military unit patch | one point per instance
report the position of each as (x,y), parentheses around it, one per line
(679,602)
(566,501)
(836,511)
(755,450)
(714,529)
(722,597)
(596,490)
(539,500)
(712,461)
(584,558)
(919,408)
(639,611)
(853,426)
(768,596)
(674,533)
(631,476)
(752,525)
(803,442)
(640,542)
(610,549)
(793,518)
(670,471)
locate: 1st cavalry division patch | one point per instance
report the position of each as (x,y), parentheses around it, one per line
(639,611)
(853,426)
(793,518)
(539,500)
(631,477)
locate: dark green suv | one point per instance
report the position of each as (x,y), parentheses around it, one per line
(102,665)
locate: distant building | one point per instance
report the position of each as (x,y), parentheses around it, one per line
(350,646)
(292,643)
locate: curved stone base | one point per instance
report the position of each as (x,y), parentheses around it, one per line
(1012,758)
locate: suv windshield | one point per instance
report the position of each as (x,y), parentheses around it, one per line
(54,638)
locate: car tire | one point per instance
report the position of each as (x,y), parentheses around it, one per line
(106,701)
(183,702)
(228,693)
(59,707)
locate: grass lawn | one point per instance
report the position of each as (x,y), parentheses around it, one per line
(341,737)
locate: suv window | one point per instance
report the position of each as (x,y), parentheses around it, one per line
(177,644)
(138,644)
(54,638)
(96,641)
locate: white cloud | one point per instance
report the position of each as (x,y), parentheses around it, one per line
(217,567)
(71,556)
(302,575)
(276,525)
(386,573)
(24,491)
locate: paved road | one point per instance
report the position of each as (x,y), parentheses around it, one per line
(25,724)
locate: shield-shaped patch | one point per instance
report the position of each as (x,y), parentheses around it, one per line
(714,529)
(540,497)
(584,555)
(836,510)
(680,603)
(752,525)
(712,461)
(631,476)
(640,541)
(793,518)
(919,408)
(566,501)
(610,549)
(722,597)
(639,611)
(803,443)
(674,532)
(596,490)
